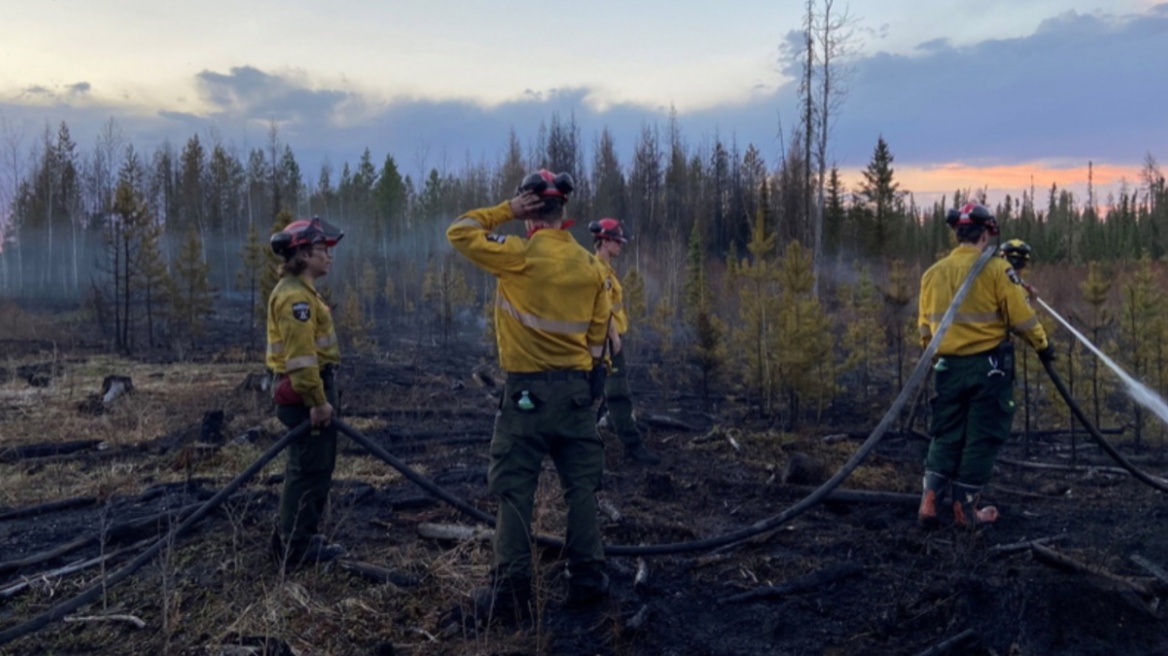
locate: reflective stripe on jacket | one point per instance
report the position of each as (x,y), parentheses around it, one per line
(301,338)
(996,304)
(551,305)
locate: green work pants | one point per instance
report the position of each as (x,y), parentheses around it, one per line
(972,412)
(619,401)
(308,473)
(561,424)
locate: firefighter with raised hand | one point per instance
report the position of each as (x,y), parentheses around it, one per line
(551,318)
(303,354)
(608,238)
(974,371)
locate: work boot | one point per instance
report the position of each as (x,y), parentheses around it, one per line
(505,601)
(934,491)
(586,587)
(640,453)
(965,510)
(317,551)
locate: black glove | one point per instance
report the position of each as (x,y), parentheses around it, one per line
(1047,354)
(596,379)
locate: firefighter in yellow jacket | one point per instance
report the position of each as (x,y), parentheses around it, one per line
(551,318)
(609,237)
(974,372)
(303,354)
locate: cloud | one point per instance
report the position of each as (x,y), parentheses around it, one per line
(78,88)
(249,93)
(1081,87)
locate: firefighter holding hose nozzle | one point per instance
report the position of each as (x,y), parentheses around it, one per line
(973,407)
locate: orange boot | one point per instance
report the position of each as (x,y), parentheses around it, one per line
(965,510)
(934,491)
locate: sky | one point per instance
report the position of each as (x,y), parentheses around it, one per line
(995,94)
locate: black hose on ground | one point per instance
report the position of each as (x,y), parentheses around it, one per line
(1144,477)
(92,593)
(811,500)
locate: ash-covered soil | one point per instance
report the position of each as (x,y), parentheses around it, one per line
(902,590)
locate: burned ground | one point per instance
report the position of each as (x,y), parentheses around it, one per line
(897,590)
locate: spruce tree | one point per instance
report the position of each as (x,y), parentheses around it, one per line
(255,258)
(191,290)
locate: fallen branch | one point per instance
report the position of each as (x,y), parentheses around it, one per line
(379,574)
(454,532)
(1152,568)
(1117,582)
(129,619)
(49,449)
(1057,467)
(45,508)
(637,621)
(665,421)
(1025,545)
(641,580)
(944,647)
(610,510)
(807,582)
(865,496)
(67,569)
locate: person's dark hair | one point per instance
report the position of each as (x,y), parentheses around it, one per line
(293,263)
(968,234)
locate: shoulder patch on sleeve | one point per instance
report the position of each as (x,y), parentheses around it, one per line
(301,310)
(498,239)
(1013,276)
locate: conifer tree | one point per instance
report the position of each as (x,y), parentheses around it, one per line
(255,258)
(445,289)
(636,307)
(191,290)
(864,336)
(804,340)
(1142,303)
(899,320)
(1096,289)
(696,290)
(758,308)
(272,271)
(354,327)
(155,279)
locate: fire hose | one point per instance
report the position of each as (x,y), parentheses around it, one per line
(1140,475)
(811,500)
(762,526)
(95,591)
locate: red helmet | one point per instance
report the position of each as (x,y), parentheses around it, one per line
(973,214)
(608,229)
(304,232)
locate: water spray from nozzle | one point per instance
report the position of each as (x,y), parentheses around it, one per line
(1135,389)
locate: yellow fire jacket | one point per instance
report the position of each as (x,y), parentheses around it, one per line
(551,305)
(620,318)
(301,338)
(996,304)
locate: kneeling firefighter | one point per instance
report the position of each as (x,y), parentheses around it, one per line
(974,373)
(303,354)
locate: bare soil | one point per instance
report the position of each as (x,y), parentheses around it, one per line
(216,592)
